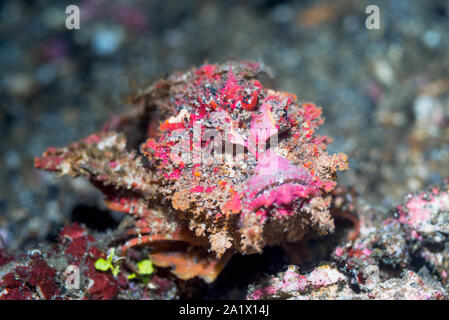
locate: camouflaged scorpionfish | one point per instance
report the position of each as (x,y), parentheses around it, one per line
(210,163)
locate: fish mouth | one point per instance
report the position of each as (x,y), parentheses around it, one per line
(279,183)
(282,189)
(279,192)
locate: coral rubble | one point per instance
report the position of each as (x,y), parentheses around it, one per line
(327,282)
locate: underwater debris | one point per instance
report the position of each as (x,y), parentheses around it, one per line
(327,282)
(415,236)
(213,163)
(386,246)
(405,257)
(425,217)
